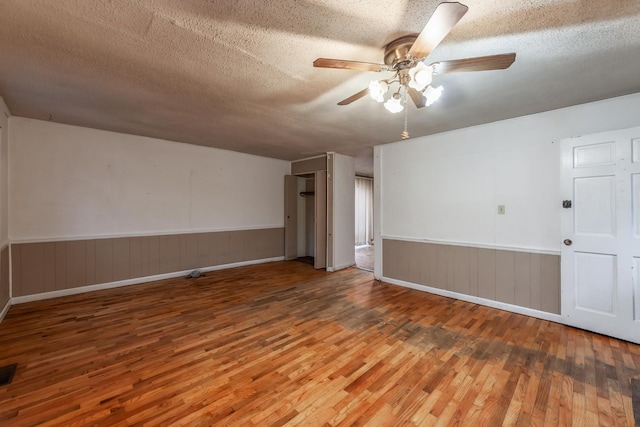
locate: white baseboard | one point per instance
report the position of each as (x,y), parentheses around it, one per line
(5,310)
(136,281)
(477,300)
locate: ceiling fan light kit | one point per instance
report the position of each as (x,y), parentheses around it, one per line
(405,57)
(377,89)
(394,103)
(432,94)
(421,76)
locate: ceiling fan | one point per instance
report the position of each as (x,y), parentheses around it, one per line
(404,57)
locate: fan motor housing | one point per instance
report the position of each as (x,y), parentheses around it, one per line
(396,52)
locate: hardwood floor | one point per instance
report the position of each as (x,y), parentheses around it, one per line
(283,343)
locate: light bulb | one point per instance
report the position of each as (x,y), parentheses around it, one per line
(394,105)
(432,94)
(377,89)
(421,75)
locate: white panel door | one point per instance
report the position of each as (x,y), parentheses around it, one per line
(601,232)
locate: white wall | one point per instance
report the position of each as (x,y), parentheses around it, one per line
(344,181)
(4,173)
(5,288)
(72,182)
(447,187)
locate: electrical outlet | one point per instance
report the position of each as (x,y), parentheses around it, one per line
(501,210)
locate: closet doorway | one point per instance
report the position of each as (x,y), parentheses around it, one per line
(306,218)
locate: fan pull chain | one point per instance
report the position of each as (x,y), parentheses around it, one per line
(405,133)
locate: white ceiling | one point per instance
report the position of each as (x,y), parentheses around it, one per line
(238,74)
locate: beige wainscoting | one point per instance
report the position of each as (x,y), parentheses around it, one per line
(525,279)
(53,266)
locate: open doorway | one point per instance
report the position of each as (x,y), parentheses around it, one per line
(364,223)
(306,219)
(305,228)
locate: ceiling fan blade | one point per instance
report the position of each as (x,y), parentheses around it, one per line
(354,97)
(348,65)
(480,63)
(445,17)
(417,97)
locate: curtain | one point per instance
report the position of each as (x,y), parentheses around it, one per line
(364,211)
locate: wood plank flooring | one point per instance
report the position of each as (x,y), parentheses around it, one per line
(284,344)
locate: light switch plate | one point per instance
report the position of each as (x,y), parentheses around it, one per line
(501,210)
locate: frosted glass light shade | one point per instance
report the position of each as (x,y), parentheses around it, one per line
(432,94)
(421,75)
(393,104)
(377,89)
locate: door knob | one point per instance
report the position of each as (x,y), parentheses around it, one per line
(567,242)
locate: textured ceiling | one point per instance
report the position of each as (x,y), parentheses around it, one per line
(238,75)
